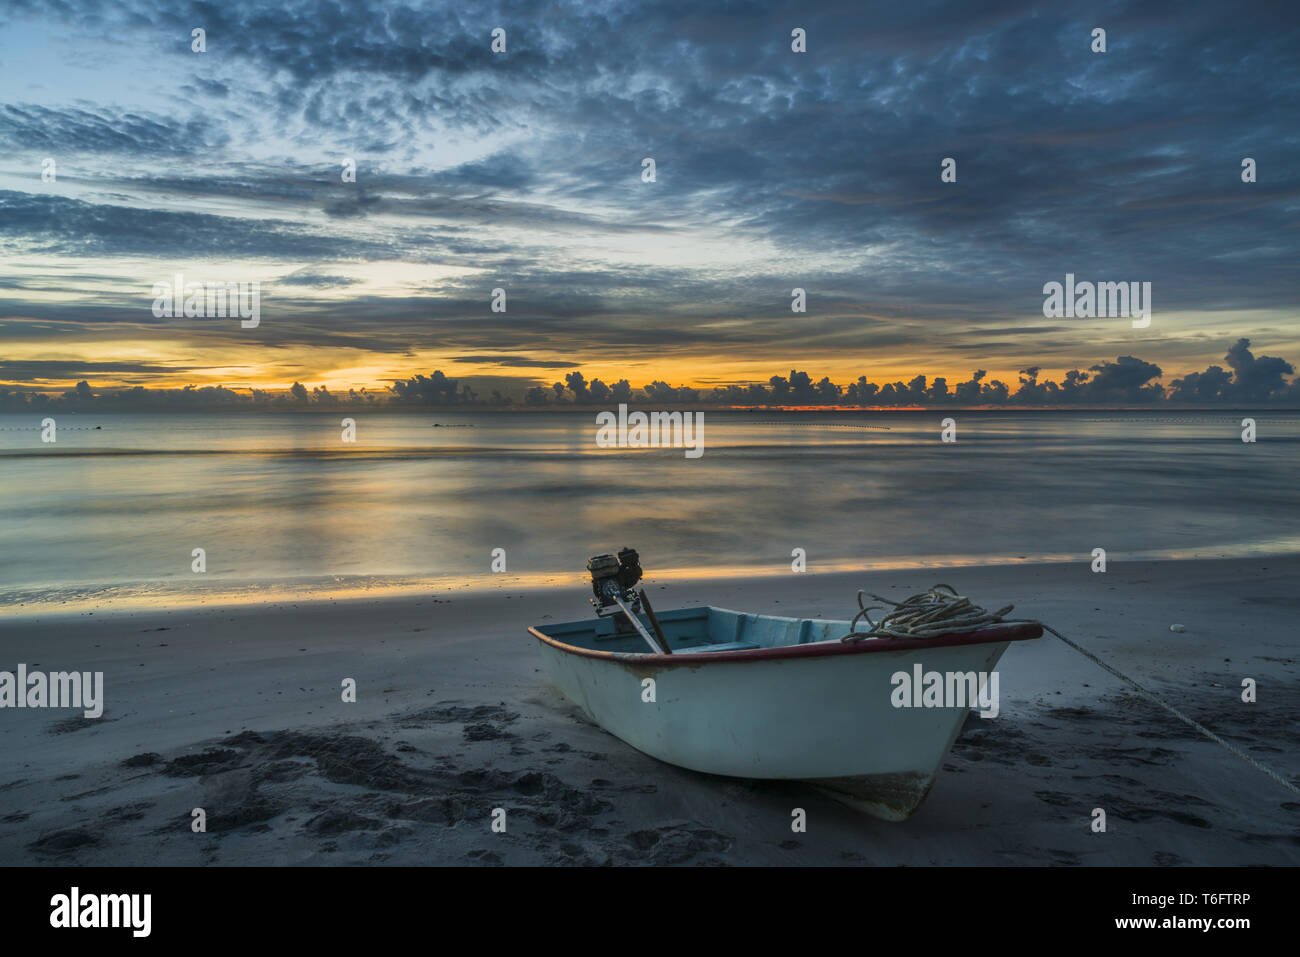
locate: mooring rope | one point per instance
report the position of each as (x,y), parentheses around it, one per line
(938,612)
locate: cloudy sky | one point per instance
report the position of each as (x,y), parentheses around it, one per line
(523,170)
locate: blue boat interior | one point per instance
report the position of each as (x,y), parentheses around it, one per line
(696,630)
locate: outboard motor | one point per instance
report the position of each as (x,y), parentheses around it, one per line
(614,581)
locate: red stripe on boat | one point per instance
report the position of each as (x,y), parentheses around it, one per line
(820,649)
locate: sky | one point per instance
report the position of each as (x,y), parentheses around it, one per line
(523,170)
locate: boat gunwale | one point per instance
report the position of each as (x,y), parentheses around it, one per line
(1023,631)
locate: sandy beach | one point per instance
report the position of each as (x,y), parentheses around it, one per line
(238,710)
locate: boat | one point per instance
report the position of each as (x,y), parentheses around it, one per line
(767,697)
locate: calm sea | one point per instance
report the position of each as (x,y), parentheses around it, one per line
(115,508)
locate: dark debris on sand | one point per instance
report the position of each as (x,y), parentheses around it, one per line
(367,797)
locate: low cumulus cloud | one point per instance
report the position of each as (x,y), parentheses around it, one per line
(1125,382)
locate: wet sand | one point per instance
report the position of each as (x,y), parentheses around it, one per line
(238,711)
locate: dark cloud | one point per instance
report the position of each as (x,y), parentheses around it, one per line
(59,369)
(1251,379)
(316,280)
(1127,380)
(72,131)
(518,362)
(58,225)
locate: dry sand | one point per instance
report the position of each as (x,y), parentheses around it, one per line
(237,710)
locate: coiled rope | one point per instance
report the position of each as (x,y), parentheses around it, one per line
(925,615)
(941,611)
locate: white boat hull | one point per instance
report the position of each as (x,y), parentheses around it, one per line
(826,718)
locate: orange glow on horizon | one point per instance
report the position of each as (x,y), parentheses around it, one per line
(339,373)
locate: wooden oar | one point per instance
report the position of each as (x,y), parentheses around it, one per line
(654,620)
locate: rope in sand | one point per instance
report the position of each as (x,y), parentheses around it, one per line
(938,612)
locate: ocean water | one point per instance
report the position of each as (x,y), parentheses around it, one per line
(114,509)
